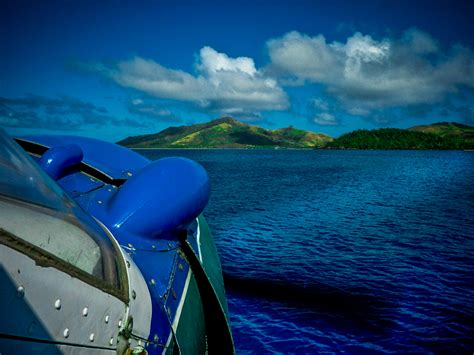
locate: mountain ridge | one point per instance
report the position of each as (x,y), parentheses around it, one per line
(227,132)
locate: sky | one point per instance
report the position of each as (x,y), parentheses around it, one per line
(113,69)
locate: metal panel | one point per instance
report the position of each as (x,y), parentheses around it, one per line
(140,310)
(16,346)
(48,304)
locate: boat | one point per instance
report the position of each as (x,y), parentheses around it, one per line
(103,251)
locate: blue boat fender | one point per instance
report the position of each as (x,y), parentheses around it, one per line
(163,197)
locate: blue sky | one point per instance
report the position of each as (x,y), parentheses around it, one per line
(122,68)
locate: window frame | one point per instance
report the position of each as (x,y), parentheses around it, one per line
(46,259)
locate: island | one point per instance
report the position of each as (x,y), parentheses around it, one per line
(228,132)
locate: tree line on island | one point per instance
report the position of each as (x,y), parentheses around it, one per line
(230,133)
(394,138)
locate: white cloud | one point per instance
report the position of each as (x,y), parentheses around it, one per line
(213,62)
(362,76)
(222,84)
(320,104)
(152,78)
(367,74)
(137,102)
(304,57)
(325,119)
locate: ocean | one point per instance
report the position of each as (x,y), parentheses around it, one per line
(344,251)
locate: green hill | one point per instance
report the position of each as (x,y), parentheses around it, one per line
(453,130)
(436,136)
(227,133)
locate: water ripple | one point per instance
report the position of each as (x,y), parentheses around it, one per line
(345,251)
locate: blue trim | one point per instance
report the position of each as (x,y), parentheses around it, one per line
(115,161)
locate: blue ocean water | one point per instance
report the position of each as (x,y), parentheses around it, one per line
(344,251)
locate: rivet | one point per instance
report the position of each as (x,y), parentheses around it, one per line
(180,266)
(99,202)
(156,338)
(120,323)
(129,173)
(153,282)
(111,341)
(130,245)
(170,245)
(109,190)
(107,318)
(32,327)
(85,311)
(153,246)
(66,332)
(20,292)
(134,294)
(57,304)
(91,337)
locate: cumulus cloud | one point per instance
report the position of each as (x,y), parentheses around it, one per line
(213,62)
(61,113)
(360,76)
(222,84)
(367,75)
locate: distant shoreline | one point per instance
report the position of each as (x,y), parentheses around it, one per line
(222,148)
(309,149)
(228,133)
